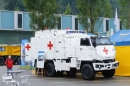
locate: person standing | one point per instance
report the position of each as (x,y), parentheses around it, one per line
(9,64)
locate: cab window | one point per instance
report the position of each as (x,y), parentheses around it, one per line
(84,42)
(103,41)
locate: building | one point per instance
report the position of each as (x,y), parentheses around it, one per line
(14,26)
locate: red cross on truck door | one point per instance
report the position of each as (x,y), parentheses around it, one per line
(50,45)
(105,50)
(28,47)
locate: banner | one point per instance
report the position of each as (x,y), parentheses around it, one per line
(23,42)
(123,56)
(40,60)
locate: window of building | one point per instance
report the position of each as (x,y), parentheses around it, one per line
(76,24)
(19,20)
(107,25)
(84,42)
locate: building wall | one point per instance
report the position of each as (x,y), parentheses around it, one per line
(14,37)
(10,33)
(15,25)
(7,20)
(80,27)
(66,22)
(26,21)
(99,25)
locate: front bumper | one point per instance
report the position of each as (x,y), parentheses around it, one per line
(105,66)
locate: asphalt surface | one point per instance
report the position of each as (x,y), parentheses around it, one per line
(68,81)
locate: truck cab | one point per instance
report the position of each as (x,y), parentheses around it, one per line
(104,60)
(104,48)
(97,52)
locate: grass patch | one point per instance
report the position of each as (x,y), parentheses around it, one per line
(27,68)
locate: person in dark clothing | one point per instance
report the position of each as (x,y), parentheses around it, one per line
(9,64)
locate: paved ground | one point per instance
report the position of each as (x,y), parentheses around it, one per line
(67,81)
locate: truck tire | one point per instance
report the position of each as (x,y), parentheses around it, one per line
(50,70)
(108,73)
(88,72)
(1,60)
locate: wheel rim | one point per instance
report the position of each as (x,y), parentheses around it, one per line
(49,70)
(86,72)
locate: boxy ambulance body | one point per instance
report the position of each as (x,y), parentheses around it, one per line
(72,51)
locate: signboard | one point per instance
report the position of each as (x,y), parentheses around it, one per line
(2,48)
(23,42)
(40,59)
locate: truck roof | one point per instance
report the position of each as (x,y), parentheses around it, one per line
(62,32)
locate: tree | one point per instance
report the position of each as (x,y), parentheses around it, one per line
(2,4)
(125,12)
(41,13)
(64,3)
(14,5)
(114,4)
(68,10)
(90,11)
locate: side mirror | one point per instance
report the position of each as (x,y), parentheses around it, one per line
(94,42)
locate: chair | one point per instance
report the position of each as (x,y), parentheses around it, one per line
(25,79)
(7,78)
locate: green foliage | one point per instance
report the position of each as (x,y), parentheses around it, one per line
(63,5)
(89,12)
(2,4)
(28,67)
(125,12)
(114,4)
(18,5)
(14,5)
(41,13)
(68,10)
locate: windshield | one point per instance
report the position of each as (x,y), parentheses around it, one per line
(100,41)
(103,41)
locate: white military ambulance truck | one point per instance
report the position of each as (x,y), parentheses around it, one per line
(71,51)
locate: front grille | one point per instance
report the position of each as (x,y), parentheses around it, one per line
(103,61)
(108,61)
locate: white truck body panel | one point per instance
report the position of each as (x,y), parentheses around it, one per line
(107,52)
(59,45)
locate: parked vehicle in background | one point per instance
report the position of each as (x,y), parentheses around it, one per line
(13,50)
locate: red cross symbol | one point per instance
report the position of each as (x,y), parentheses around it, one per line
(105,50)
(28,47)
(50,45)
